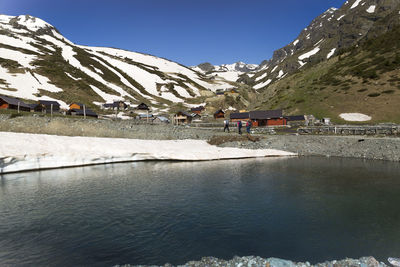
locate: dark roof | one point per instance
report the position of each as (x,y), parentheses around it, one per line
(14,101)
(295,118)
(219,111)
(80,112)
(48,103)
(143,106)
(33,106)
(265,114)
(239,115)
(197,108)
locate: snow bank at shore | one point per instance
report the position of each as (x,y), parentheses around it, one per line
(22,152)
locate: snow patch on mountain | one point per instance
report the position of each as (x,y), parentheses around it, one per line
(310,53)
(330,54)
(371,9)
(356,3)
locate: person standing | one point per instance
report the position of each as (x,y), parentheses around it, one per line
(248,126)
(239,124)
(226,125)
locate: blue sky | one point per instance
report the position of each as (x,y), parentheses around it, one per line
(187,31)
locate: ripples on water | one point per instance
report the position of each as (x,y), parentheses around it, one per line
(313,209)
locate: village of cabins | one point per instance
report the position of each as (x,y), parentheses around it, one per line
(258,118)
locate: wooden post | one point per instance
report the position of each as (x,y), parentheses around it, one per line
(18,106)
(84,111)
(51,110)
(147,112)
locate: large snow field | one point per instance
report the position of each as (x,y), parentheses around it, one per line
(21,152)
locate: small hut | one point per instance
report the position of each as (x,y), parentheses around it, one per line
(219,114)
(197,110)
(143,106)
(47,106)
(182,117)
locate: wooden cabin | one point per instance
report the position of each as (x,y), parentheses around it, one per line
(239,116)
(161,120)
(182,117)
(267,118)
(47,106)
(82,112)
(13,103)
(197,110)
(219,114)
(143,106)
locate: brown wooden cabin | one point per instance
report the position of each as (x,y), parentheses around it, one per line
(219,114)
(13,103)
(267,118)
(197,110)
(47,106)
(182,117)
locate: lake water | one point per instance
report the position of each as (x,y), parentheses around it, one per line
(302,209)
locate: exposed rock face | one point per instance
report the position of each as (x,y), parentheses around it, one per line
(333,30)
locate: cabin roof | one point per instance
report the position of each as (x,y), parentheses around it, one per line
(200,108)
(239,115)
(265,114)
(49,102)
(219,111)
(14,101)
(184,113)
(162,118)
(143,106)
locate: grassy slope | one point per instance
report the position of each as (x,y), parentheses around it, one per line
(363,79)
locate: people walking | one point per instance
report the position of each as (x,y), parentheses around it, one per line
(248,126)
(226,125)
(239,125)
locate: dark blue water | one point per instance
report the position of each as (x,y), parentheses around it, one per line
(302,209)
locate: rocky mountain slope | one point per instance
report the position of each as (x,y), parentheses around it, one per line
(347,60)
(37,62)
(230,72)
(326,35)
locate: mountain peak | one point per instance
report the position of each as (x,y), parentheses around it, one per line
(26,21)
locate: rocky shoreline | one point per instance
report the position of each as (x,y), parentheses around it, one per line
(375,148)
(252,261)
(364,147)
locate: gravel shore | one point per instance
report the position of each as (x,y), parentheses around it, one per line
(365,147)
(252,261)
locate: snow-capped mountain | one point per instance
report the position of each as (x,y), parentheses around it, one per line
(326,35)
(229,72)
(38,63)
